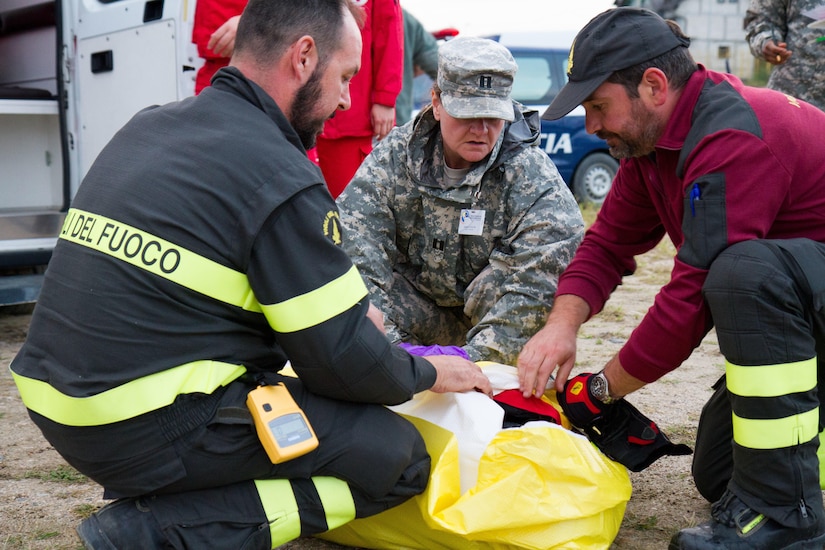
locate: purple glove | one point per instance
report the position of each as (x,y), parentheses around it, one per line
(434,350)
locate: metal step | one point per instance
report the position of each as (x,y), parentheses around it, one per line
(20,289)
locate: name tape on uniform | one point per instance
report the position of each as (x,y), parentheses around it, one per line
(159,256)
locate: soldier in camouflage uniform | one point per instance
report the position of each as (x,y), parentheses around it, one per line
(458,222)
(777,31)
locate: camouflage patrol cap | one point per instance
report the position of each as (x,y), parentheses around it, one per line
(475,76)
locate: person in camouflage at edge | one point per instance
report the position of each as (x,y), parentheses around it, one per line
(778,32)
(459,224)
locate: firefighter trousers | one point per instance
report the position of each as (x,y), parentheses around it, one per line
(759,432)
(201,471)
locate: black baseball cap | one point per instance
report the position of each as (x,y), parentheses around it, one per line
(613,40)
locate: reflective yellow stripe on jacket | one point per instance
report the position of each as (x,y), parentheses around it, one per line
(207,277)
(128,400)
(190,270)
(317,306)
(161,257)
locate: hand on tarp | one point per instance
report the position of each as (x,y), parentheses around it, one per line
(619,429)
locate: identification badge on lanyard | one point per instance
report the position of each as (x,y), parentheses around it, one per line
(471,222)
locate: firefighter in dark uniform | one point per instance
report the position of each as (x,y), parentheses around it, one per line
(200,255)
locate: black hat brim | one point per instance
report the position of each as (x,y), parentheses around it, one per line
(571,96)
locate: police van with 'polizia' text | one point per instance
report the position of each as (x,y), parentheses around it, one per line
(72,72)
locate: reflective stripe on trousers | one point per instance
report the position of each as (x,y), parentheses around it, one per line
(757,389)
(765,298)
(282,509)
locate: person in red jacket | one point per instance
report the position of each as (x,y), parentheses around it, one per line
(727,172)
(347,138)
(213,32)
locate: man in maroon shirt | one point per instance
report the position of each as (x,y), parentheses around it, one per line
(727,172)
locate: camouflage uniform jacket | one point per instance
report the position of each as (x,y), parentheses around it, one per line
(803,74)
(399,215)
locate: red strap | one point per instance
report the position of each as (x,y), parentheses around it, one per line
(534,404)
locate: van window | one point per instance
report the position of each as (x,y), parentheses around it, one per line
(540,77)
(533,81)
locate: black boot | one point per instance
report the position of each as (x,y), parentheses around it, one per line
(735,526)
(125,524)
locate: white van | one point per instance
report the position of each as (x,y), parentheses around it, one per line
(72,72)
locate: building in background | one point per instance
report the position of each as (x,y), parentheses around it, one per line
(716,32)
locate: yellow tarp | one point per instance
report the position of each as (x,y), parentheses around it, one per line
(539,486)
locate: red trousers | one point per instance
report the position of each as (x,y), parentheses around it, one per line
(340,158)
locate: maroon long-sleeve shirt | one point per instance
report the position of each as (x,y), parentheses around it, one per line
(734,163)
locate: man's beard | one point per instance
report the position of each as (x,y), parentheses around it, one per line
(639,137)
(302,116)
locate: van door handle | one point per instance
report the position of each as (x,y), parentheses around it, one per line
(103,62)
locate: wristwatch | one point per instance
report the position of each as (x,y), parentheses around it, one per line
(600,389)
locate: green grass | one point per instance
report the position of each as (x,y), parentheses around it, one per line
(644,524)
(682,432)
(45,535)
(61,474)
(83,511)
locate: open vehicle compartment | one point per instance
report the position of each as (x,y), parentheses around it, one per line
(72,72)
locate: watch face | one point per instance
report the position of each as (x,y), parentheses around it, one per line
(598,387)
